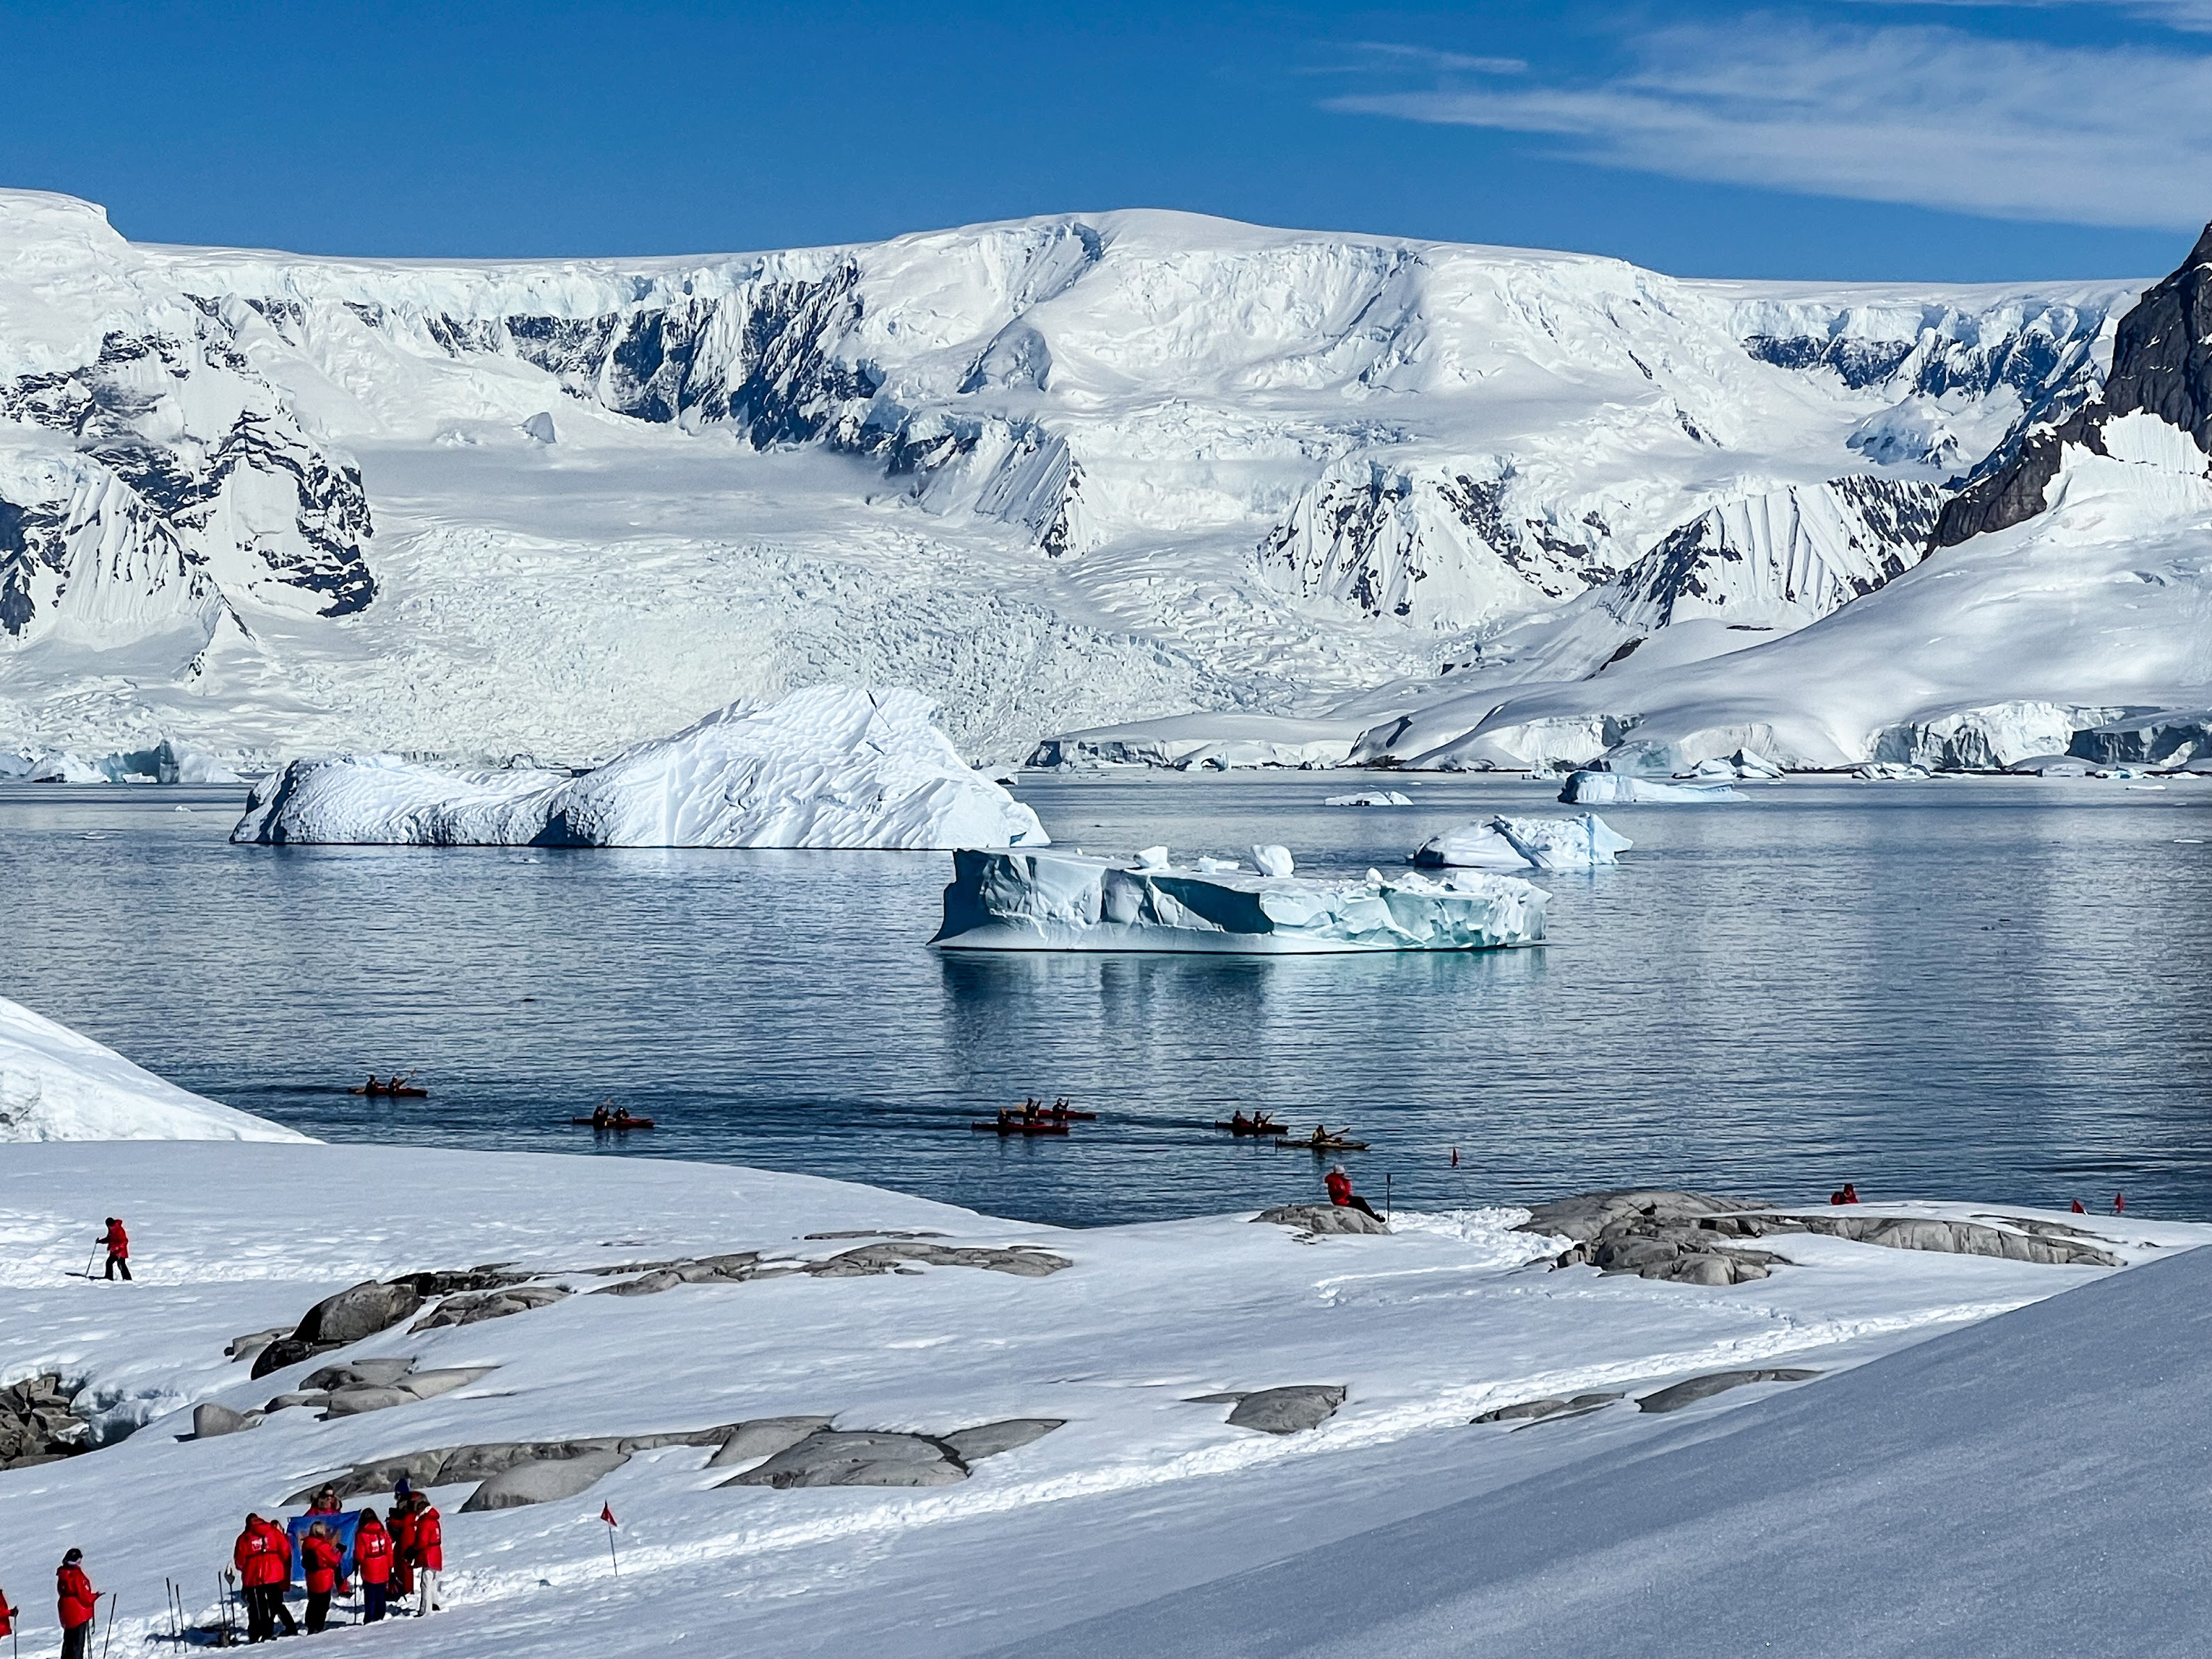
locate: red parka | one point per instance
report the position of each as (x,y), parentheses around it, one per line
(117,1242)
(1340,1187)
(430,1542)
(280,1544)
(257,1559)
(7,1615)
(76,1595)
(372,1552)
(321,1555)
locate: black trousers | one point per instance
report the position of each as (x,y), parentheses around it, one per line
(1361,1206)
(76,1641)
(319,1610)
(264,1605)
(115,1261)
(371,1602)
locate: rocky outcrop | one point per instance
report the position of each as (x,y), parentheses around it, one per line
(2161,365)
(358,1311)
(37,1424)
(865,1260)
(1691,1238)
(470,1309)
(1318,1219)
(830,1457)
(1278,1411)
(1674,1398)
(1535,1411)
(764,1437)
(543,1481)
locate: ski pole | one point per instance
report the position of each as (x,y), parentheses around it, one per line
(89,1260)
(109,1640)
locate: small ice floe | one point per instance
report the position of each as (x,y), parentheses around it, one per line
(1272,860)
(1207,866)
(1502,843)
(1892,772)
(1620,789)
(1744,763)
(1020,900)
(1370,798)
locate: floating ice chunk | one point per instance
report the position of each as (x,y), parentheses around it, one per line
(1217,866)
(1744,763)
(1019,900)
(1618,789)
(1892,772)
(540,427)
(831,766)
(1526,843)
(1271,861)
(1153,858)
(1370,798)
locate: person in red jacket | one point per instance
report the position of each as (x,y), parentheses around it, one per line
(1341,1195)
(7,1615)
(372,1558)
(79,1600)
(321,1555)
(429,1556)
(280,1542)
(403,1545)
(259,1569)
(119,1247)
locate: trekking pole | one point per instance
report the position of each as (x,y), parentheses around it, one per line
(1386,1200)
(89,1260)
(108,1641)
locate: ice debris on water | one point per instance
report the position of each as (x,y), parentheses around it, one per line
(1271,861)
(1620,789)
(829,767)
(1019,900)
(1370,798)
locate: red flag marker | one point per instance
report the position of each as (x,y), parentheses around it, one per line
(607,1515)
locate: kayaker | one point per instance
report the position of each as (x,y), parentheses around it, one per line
(600,1115)
(374,1087)
(1341,1195)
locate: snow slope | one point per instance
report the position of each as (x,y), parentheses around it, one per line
(56,1084)
(1145,1490)
(1058,473)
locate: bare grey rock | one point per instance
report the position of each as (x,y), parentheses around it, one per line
(1705,1388)
(543,1481)
(1288,1410)
(428,1385)
(2046,1247)
(316,1398)
(986,1440)
(876,1232)
(249,1347)
(1322,1218)
(352,1403)
(1537,1410)
(473,1309)
(1023,1261)
(211,1419)
(828,1457)
(377,1373)
(1584,1216)
(358,1311)
(764,1437)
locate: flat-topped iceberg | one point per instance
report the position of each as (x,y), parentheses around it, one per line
(1620,789)
(1022,901)
(831,766)
(1502,843)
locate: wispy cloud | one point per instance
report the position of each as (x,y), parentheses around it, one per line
(2194,16)
(1934,117)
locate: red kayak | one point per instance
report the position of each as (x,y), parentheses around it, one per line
(614,1123)
(1036,1126)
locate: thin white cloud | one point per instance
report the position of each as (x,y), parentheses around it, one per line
(2194,16)
(1932,117)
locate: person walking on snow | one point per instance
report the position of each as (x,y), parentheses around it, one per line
(1341,1195)
(118,1247)
(321,1555)
(79,1600)
(8,1615)
(372,1557)
(403,1540)
(429,1556)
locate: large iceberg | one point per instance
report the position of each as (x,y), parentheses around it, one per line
(1620,789)
(58,1085)
(1502,843)
(1024,901)
(831,766)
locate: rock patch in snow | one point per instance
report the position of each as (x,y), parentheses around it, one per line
(1321,1218)
(543,1481)
(764,1437)
(829,767)
(1535,1411)
(1290,1410)
(1689,1393)
(37,1423)
(829,1457)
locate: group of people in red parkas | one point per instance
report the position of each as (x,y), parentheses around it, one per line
(403,1559)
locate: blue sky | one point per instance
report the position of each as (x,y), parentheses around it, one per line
(1950,139)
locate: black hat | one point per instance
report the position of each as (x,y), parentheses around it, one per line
(74,1555)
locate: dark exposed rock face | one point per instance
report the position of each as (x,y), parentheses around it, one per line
(36,1424)
(2161,365)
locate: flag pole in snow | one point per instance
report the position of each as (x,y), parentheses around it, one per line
(607,1515)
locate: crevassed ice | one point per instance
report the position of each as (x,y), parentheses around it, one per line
(829,767)
(1017,900)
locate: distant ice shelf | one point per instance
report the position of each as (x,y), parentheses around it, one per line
(832,767)
(1017,900)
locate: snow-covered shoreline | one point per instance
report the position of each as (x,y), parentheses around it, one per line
(1447,1317)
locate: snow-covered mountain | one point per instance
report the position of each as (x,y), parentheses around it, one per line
(1055,472)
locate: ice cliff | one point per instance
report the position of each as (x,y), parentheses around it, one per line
(831,766)
(1024,901)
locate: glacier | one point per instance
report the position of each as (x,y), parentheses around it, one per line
(828,767)
(1022,901)
(1063,474)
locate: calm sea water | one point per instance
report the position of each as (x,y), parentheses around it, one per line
(1993,989)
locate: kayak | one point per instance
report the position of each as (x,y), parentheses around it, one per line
(1236,1128)
(1073,1116)
(406,1091)
(623,1123)
(1040,1127)
(1307,1143)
